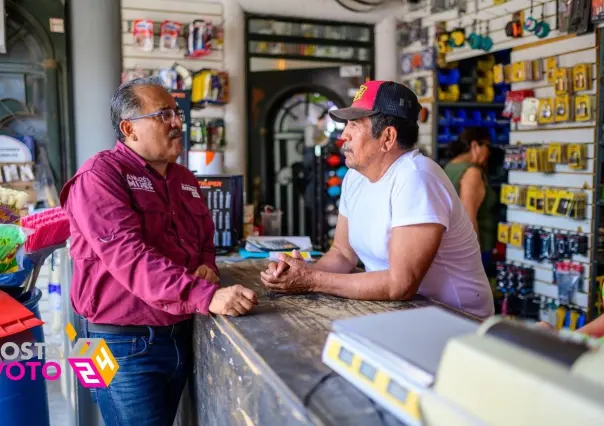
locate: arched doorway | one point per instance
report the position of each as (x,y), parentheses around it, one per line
(297,121)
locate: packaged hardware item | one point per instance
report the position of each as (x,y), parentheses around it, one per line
(577,156)
(517,235)
(556,153)
(531,243)
(503,232)
(562,81)
(563,111)
(551,64)
(513,194)
(572,204)
(530,109)
(535,200)
(583,108)
(142,31)
(568,278)
(551,194)
(168,38)
(514,158)
(546,246)
(578,244)
(581,77)
(546,111)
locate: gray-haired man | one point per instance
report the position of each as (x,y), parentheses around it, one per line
(143,255)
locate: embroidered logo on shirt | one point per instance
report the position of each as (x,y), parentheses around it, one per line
(140,183)
(191,189)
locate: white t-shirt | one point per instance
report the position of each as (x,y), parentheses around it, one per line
(416,190)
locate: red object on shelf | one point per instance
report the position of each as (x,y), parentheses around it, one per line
(334,160)
(334,181)
(199,53)
(14,317)
(340,143)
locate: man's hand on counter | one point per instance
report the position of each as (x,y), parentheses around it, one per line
(233,301)
(207,274)
(291,275)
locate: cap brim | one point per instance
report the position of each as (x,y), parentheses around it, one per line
(343,115)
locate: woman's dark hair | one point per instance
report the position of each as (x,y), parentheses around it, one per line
(464,142)
(407,130)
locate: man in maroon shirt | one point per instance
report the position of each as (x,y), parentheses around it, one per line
(143,257)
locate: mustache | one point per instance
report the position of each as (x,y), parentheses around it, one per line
(175,133)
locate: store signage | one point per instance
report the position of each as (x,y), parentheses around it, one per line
(57,25)
(13,151)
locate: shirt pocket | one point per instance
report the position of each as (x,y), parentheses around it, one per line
(155,218)
(194,218)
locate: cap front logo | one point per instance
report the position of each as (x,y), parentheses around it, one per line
(359,93)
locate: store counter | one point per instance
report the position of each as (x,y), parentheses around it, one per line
(265,368)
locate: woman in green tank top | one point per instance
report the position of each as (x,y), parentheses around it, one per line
(467,173)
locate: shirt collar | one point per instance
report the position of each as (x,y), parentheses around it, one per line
(122,147)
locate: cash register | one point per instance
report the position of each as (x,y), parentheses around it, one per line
(434,367)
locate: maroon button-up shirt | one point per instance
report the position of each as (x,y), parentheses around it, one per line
(137,237)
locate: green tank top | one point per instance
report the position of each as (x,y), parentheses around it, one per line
(486,217)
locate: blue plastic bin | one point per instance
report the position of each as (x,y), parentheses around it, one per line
(25,402)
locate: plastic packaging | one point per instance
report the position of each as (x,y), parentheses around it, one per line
(12,238)
(568,277)
(142,30)
(168,39)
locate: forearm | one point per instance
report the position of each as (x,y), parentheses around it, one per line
(379,285)
(334,261)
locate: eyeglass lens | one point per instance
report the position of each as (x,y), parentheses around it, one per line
(168,115)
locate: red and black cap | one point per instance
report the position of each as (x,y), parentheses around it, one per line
(386,97)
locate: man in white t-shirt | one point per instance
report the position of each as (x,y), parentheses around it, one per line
(399,214)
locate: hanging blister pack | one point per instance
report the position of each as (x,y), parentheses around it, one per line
(168,38)
(561,246)
(568,277)
(142,32)
(577,244)
(531,244)
(546,246)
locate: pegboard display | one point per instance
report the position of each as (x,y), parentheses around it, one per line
(550,98)
(159,11)
(182,42)
(550,191)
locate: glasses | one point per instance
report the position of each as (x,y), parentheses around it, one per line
(167,115)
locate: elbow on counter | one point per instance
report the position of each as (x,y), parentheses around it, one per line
(401,289)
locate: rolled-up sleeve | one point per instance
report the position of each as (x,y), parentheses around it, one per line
(100,206)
